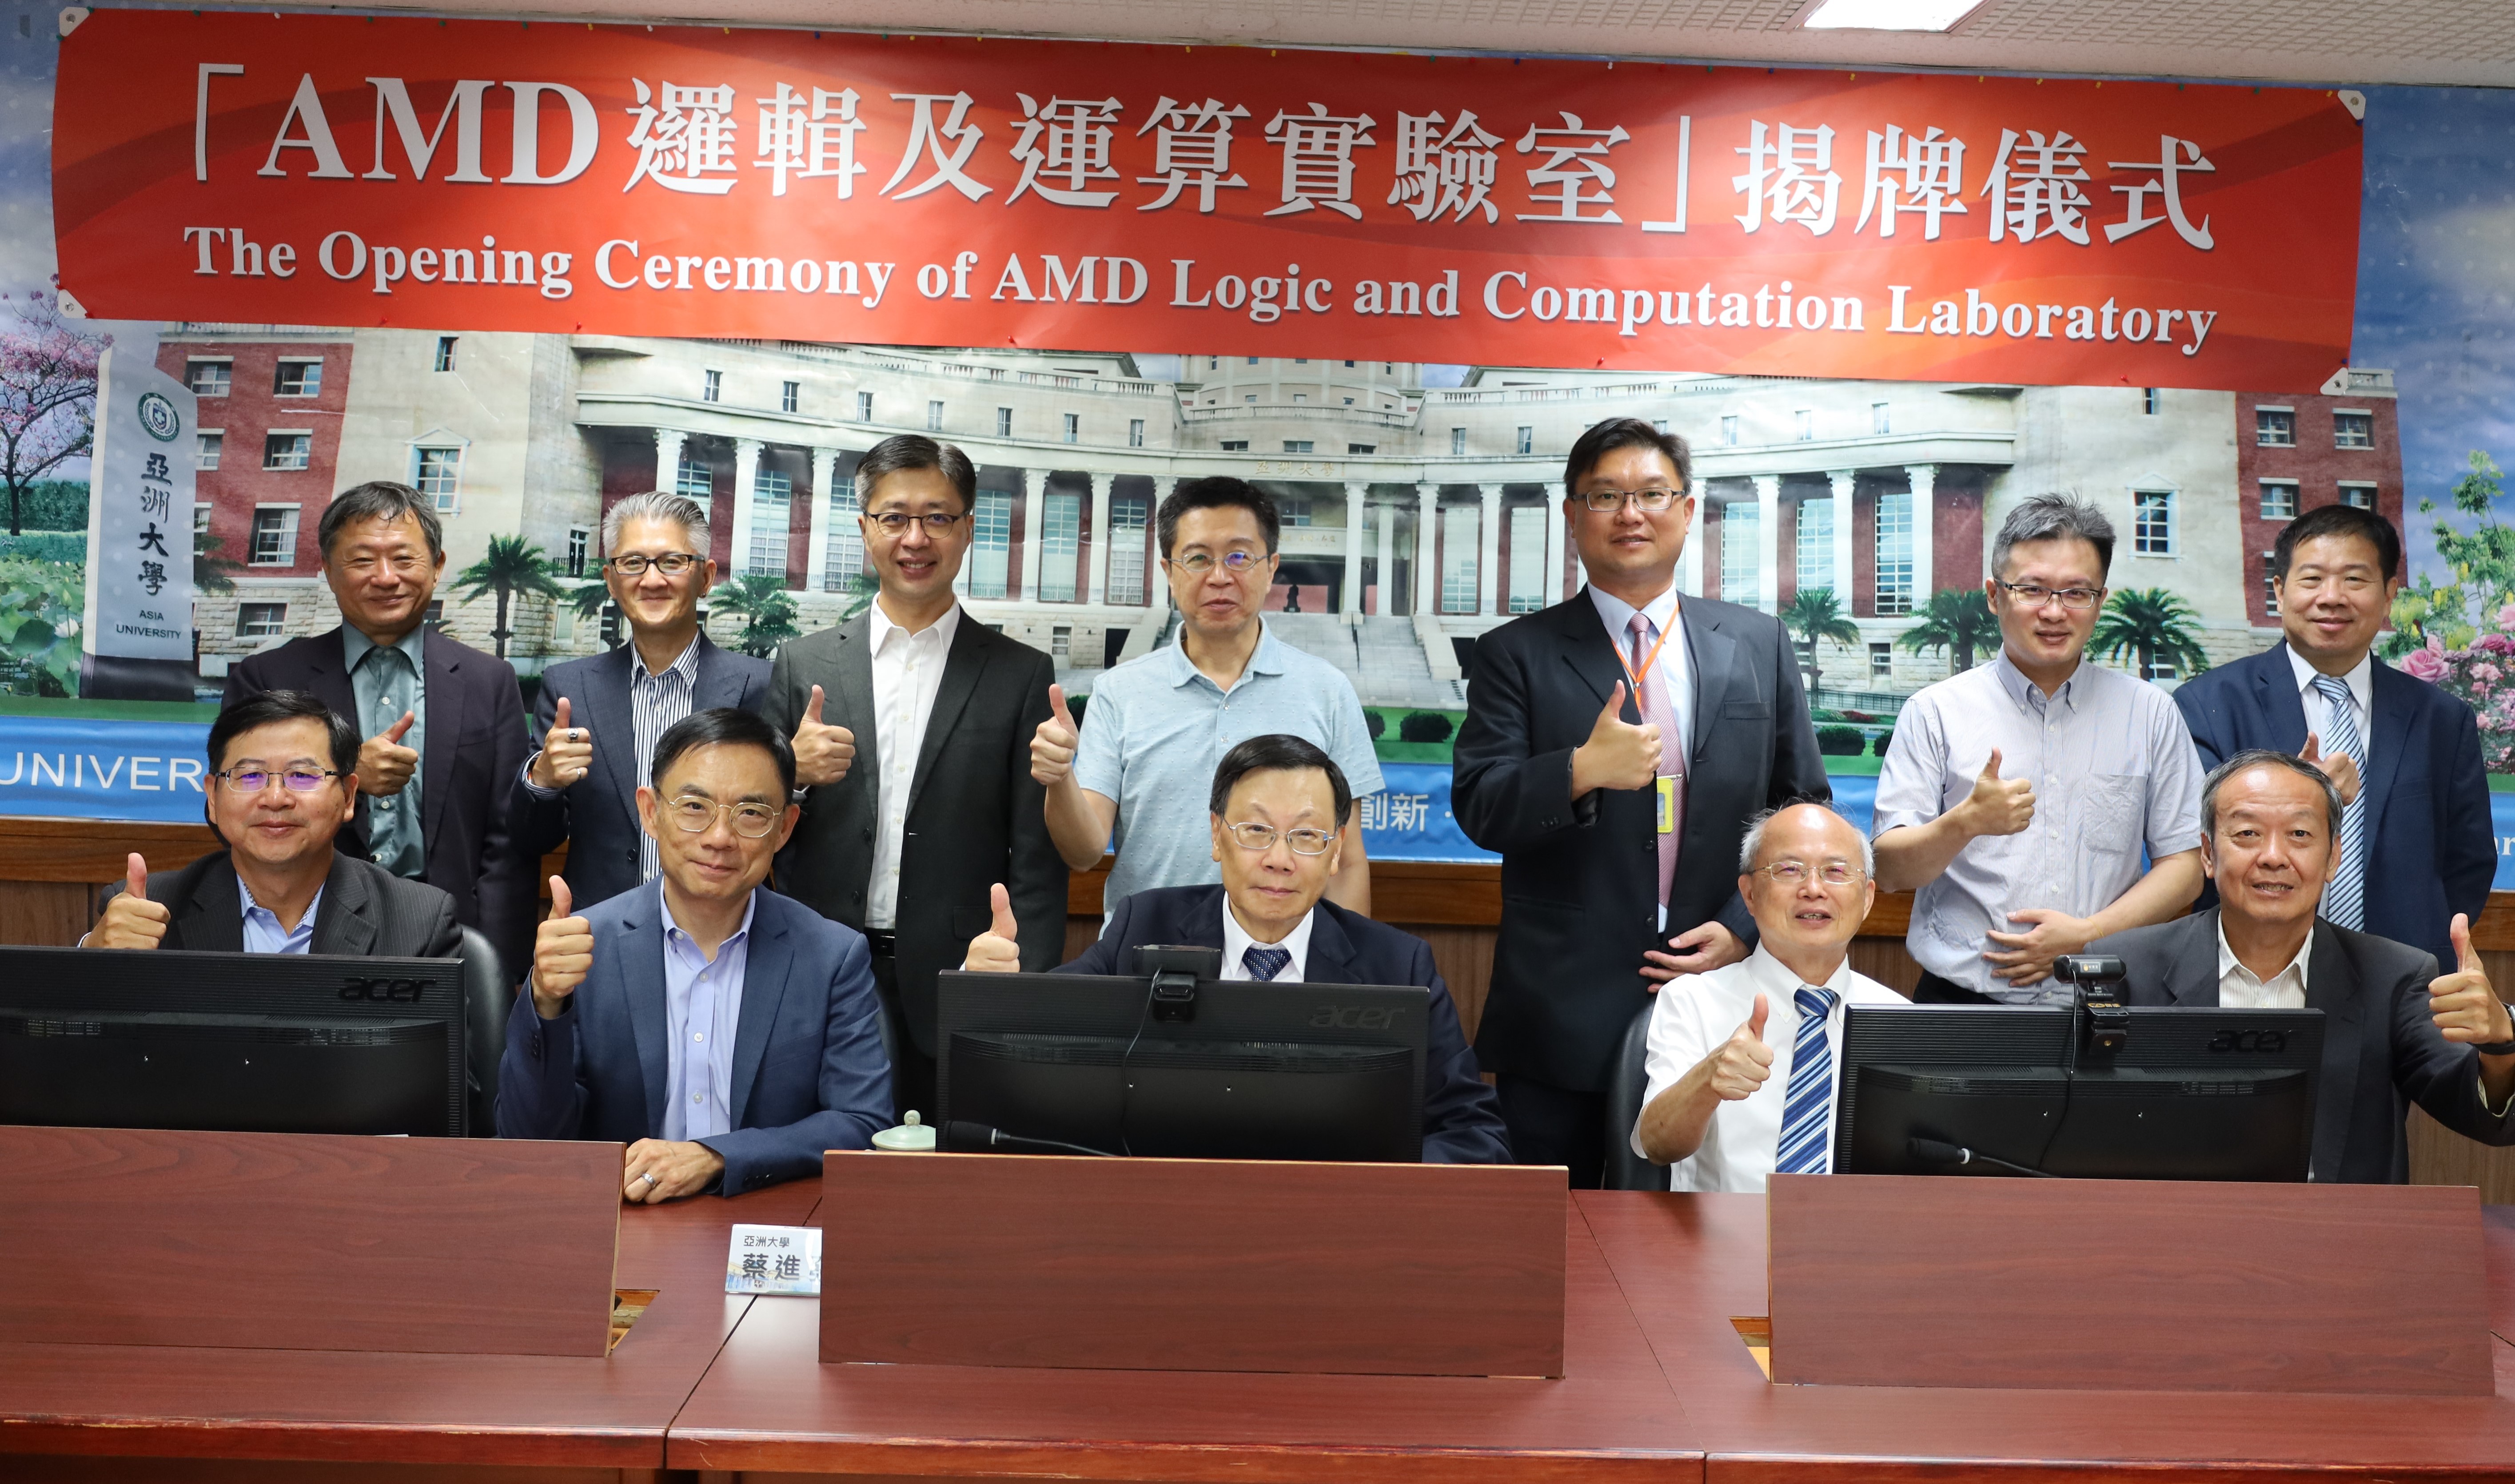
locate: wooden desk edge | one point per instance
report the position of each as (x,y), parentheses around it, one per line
(1175,1462)
(301,1441)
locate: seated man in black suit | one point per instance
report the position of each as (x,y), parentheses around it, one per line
(284,781)
(2394,1030)
(1279,809)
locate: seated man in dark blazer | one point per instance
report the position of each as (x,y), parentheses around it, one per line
(283,780)
(1278,809)
(2394,1030)
(726,1035)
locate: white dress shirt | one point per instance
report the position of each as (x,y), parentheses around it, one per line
(1694,1015)
(907,672)
(1675,665)
(2240,989)
(1236,943)
(2362,702)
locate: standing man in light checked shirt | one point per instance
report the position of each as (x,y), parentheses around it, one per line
(598,718)
(1140,763)
(2016,798)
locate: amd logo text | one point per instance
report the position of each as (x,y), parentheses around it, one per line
(2249,1041)
(400,990)
(1352,1017)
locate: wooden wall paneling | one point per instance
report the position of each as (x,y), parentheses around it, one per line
(45,914)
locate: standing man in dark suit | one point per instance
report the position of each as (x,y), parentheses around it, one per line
(598,718)
(443,722)
(283,782)
(2395,1031)
(1277,816)
(1614,749)
(2416,843)
(912,727)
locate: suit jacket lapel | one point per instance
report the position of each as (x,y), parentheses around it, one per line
(764,972)
(641,982)
(214,918)
(611,714)
(328,671)
(961,668)
(2392,711)
(1331,956)
(346,922)
(848,701)
(2192,974)
(1709,654)
(717,682)
(444,704)
(1592,652)
(2332,986)
(2275,690)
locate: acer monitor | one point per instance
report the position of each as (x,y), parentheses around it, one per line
(1179,1064)
(246,1042)
(2157,1094)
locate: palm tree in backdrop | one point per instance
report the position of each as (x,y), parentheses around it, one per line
(1814,615)
(513,569)
(768,609)
(2156,626)
(1957,620)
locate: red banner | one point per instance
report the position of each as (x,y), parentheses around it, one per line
(929,191)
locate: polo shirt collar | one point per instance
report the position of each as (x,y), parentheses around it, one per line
(1266,659)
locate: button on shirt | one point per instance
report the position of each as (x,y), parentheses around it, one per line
(2113,770)
(1157,726)
(2238,989)
(907,672)
(263,932)
(385,682)
(1236,943)
(1693,1016)
(702,1001)
(2361,683)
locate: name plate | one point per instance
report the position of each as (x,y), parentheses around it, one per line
(774,1259)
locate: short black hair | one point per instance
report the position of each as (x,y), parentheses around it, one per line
(1279,752)
(914,450)
(1218,492)
(721,725)
(380,500)
(2345,520)
(265,707)
(1604,438)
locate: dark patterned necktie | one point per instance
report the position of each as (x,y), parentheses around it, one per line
(1265,963)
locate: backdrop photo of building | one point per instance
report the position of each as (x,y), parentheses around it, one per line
(1416,517)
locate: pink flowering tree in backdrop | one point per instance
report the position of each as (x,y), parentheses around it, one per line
(47,393)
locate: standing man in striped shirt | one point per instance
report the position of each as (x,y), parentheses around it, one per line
(598,718)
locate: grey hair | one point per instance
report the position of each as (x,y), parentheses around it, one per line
(913,450)
(2264,756)
(380,500)
(2054,518)
(1753,844)
(657,505)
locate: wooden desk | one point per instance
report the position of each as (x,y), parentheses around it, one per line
(96,1413)
(768,1405)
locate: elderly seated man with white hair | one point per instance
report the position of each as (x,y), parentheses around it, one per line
(1728,1107)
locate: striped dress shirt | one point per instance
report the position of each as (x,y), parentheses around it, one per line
(655,703)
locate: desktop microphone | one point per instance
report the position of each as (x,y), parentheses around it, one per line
(1941,1152)
(970,1138)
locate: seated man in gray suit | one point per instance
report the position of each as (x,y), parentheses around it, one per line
(726,1035)
(284,781)
(2395,1031)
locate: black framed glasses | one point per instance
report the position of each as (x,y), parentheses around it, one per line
(2035,594)
(253,780)
(1252,836)
(694,814)
(896,522)
(669,564)
(1651,501)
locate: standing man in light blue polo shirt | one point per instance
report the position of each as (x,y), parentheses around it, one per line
(1143,761)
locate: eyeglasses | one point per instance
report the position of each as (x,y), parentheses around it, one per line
(669,564)
(2035,594)
(253,780)
(751,821)
(1791,873)
(896,522)
(1652,500)
(1262,837)
(1198,563)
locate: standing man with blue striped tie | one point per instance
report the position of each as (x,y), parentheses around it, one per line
(1730,1107)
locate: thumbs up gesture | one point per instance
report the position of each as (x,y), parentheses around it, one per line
(1998,806)
(131,920)
(2466,1008)
(567,752)
(384,766)
(996,950)
(562,952)
(823,752)
(1744,1062)
(2339,767)
(1619,754)
(1052,746)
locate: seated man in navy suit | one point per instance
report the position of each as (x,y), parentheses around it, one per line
(1279,809)
(726,1035)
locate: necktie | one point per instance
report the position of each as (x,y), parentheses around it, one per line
(2344,900)
(1807,1114)
(1264,962)
(1656,709)
(393,819)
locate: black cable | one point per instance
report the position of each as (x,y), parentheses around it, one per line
(1126,1081)
(2069,1074)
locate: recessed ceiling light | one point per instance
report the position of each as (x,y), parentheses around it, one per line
(1889,14)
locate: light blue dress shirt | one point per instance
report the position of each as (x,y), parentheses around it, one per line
(261,930)
(383,684)
(702,1003)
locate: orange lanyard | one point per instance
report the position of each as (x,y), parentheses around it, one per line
(1648,660)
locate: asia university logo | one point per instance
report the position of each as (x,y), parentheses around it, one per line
(159,416)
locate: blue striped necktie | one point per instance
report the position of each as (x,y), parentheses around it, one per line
(2344,898)
(1264,962)
(1808,1115)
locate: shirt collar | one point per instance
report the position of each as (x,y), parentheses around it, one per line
(2228,961)
(244,892)
(881,627)
(1237,942)
(1779,984)
(686,666)
(2360,678)
(674,933)
(1266,659)
(1617,614)
(2023,692)
(354,645)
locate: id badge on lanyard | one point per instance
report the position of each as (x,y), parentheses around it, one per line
(1666,812)
(1666,804)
